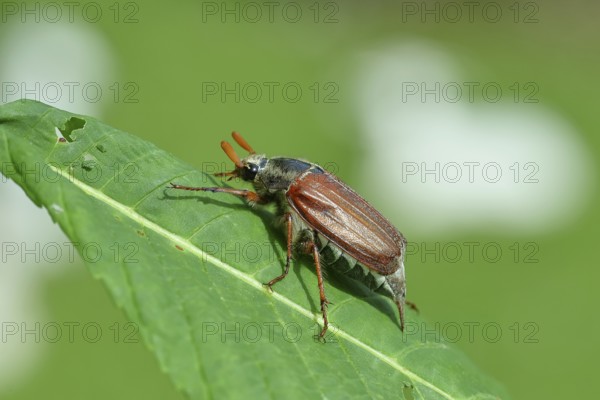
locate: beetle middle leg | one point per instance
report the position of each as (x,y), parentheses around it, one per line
(305,243)
(288,221)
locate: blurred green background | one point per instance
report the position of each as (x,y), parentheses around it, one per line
(166,58)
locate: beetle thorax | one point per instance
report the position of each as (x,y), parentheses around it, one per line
(279,173)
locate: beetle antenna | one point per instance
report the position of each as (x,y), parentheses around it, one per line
(242,142)
(231,154)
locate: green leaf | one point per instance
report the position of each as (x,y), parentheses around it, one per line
(188,270)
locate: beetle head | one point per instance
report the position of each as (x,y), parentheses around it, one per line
(246,168)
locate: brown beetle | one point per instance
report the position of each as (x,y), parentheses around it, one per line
(324,217)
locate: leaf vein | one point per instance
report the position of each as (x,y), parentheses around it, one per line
(129,212)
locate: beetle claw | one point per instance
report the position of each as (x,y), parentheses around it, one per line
(321,337)
(412,306)
(268,286)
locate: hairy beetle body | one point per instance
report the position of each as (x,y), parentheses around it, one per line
(325,217)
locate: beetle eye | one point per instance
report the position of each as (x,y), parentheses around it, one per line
(249,172)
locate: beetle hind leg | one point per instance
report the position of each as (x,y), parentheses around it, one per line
(397,285)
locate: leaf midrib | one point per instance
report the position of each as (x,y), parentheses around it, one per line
(133,215)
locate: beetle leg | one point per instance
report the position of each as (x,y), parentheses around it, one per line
(245,194)
(307,244)
(324,301)
(288,221)
(411,305)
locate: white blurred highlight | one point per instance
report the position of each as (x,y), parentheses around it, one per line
(33,54)
(407,133)
(54,63)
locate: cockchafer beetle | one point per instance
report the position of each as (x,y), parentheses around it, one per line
(323,217)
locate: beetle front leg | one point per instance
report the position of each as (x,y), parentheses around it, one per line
(288,220)
(245,194)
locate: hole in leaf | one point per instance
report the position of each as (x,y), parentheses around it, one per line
(71,125)
(407,392)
